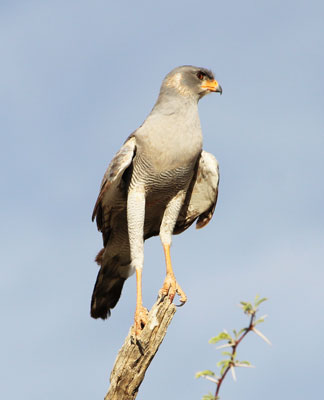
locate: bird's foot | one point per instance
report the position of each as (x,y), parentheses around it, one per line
(170,287)
(141,318)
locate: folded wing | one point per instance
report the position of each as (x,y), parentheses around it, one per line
(202,195)
(113,196)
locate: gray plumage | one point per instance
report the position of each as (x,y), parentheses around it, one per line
(160,167)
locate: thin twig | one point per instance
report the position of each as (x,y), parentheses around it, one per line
(234,346)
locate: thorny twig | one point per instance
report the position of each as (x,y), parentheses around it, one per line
(232,362)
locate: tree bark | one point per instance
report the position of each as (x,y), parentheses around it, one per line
(135,356)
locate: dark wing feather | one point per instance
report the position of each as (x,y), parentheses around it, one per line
(202,195)
(110,214)
(112,191)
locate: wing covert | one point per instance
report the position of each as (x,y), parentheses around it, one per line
(111,190)
(202,194)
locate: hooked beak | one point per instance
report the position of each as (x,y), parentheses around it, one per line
(212,86)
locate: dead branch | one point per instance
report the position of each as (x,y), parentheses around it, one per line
(134,358)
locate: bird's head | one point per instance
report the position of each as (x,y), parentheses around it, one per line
(190,81)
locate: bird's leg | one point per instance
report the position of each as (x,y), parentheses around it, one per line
(135,221)
(170,285)
(140,312)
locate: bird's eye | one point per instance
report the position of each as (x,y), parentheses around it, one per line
(200,75)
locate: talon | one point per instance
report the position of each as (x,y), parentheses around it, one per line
(171,288)
(183,297)
(160,297)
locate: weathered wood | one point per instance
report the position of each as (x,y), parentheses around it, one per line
(133,358)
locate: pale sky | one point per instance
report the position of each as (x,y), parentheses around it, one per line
(77,77)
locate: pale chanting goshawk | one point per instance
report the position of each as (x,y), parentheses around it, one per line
(158,183)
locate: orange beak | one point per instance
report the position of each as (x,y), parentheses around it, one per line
(212,86)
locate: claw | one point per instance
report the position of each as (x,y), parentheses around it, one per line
(181,304)
(181,293)
(160,297)
(171,288)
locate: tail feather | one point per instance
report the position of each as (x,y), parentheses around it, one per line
(107,289)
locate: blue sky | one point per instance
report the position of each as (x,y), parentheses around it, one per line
(77,78)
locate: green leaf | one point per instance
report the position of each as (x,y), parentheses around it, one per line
(244,362)
(247,307)
(258,302)
(227,353)
(221,336)
(206,372)
(223,362)
(208,396)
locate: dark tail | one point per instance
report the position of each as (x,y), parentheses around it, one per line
(108,287)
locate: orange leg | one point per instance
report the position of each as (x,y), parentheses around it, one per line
(170,285)
(140,312)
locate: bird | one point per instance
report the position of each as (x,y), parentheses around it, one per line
(158,183)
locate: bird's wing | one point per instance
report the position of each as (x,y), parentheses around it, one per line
(202,194)
(112,191)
